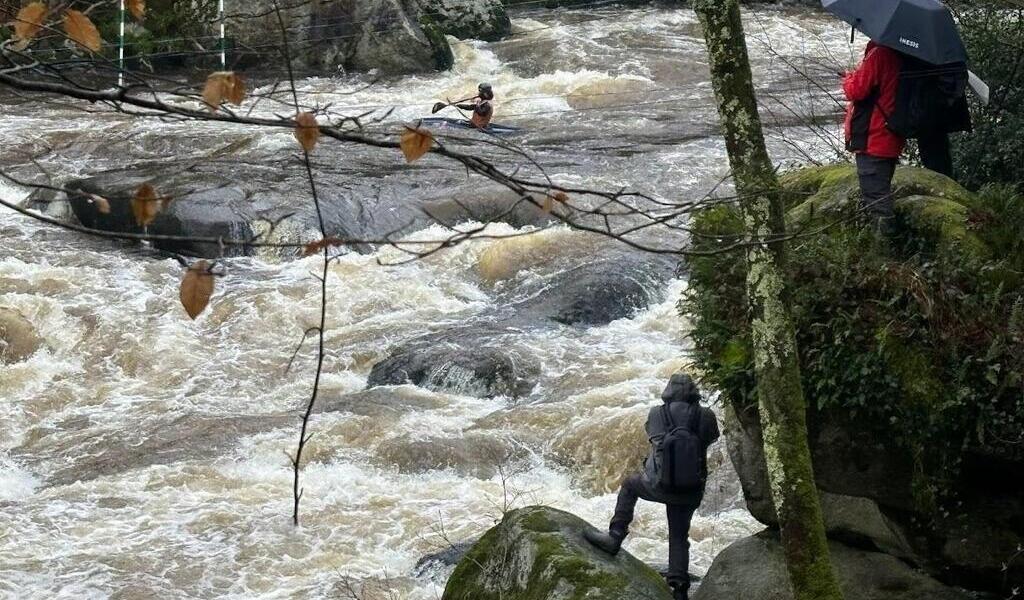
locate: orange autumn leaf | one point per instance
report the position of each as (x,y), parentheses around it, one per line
(81,30)
(29,21)
(415,143)
(221,87)
(196,288)
(147,204)
(307,131)
(137,8)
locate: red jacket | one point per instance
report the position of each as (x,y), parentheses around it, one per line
(879,74)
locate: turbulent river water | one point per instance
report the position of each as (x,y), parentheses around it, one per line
(143,455)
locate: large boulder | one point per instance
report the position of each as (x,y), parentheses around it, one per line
(539,553)
(18,337)
(467,19)
(901,341)
(754,569)
(352,35)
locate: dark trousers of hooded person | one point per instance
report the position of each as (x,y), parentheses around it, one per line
(875,175)
(679,517)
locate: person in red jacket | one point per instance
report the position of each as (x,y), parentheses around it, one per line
(871,91)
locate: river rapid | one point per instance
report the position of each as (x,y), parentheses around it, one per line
(143,455)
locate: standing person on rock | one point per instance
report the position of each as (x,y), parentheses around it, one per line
(674,474)
(871,92)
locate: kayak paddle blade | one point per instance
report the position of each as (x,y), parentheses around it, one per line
(438,108)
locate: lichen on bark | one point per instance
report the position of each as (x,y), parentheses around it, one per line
(777,371)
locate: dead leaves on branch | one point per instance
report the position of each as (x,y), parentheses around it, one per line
(416,142)
(548,203)
(147,204)
(77,26)
(320,245)
(307,130)
(137,8)
(221,87)
(28,22)
(196,288)
(81,30)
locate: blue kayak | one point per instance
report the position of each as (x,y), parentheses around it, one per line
(446,123)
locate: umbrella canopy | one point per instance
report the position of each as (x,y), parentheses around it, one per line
(924,29)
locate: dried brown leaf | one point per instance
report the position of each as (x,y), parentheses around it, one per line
(416,143)
(318,246)
(221,87)
(307,131)
(235,89)
(81,30)
(196,288)
(29,21)
(137,8)
(147,204)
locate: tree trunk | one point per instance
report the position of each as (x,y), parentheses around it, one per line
(777,368)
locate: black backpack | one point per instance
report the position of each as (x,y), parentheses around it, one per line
(930,100)
(681,468)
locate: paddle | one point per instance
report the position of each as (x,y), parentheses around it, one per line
(441,105)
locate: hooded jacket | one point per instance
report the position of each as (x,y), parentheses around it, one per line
(682,398)
(871,91)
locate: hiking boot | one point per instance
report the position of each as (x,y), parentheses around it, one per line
(610,542)
(680,592)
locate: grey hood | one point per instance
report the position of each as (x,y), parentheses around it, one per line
(681,388)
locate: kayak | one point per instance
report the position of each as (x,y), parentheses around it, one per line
(447,123)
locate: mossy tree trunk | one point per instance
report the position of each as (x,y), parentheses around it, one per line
(777,369)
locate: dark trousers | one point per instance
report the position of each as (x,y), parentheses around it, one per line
(679,516)
(875,175)
(935,153)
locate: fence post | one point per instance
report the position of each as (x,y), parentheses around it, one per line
(120,50)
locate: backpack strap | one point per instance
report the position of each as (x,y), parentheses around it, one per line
(694,424)
(666,416)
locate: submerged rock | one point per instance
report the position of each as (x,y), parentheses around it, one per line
(473,454)
(754,569)
(538,553)
(100,455)
(18,337)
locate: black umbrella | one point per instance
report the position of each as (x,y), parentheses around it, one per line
(921,28)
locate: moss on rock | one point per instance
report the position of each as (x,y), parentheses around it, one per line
(909,346)
(539,553)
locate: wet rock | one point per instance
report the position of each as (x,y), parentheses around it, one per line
(388,402)
(18,337)
(539,553)
(474,361)
(438,562)
(357,35)
(467,19)
(487,205)
(203,206)
(92,455)
(473,454)
(754,569)
(599,292)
